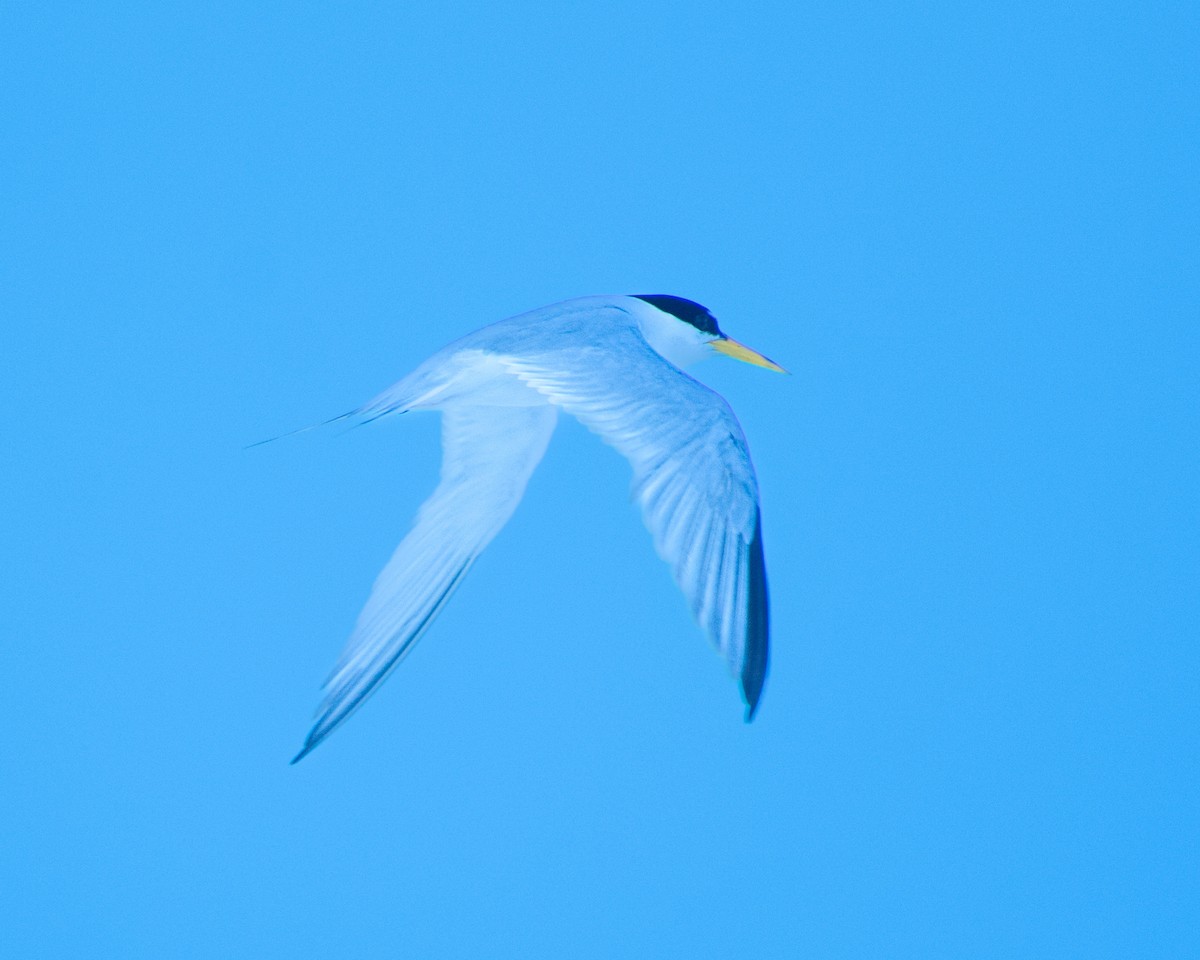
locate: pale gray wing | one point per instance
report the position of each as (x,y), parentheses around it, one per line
(488,456)
(692,477)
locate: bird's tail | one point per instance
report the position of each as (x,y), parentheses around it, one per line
(415,390)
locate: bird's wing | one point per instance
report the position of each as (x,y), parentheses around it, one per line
(488,456)
(692,476)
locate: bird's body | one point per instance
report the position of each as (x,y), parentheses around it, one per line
(614,363)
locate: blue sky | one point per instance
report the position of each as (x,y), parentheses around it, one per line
(970,232)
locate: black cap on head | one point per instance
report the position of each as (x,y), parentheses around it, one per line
(686,310)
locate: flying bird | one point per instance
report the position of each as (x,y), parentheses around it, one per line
(615,363)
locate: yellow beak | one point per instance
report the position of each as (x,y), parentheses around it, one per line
(739,351)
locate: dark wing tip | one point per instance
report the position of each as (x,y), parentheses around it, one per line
(316,736)
(758,627)
(328,720)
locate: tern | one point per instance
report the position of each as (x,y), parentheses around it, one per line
(616,364)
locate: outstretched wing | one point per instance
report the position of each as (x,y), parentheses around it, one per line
(692,476)
(488,456)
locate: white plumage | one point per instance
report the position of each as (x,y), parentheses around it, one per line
(613,363)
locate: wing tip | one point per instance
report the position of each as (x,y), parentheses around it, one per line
(758,630)
(324,726)
(752,686)
(309,746)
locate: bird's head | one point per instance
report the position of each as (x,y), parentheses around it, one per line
(683,332)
